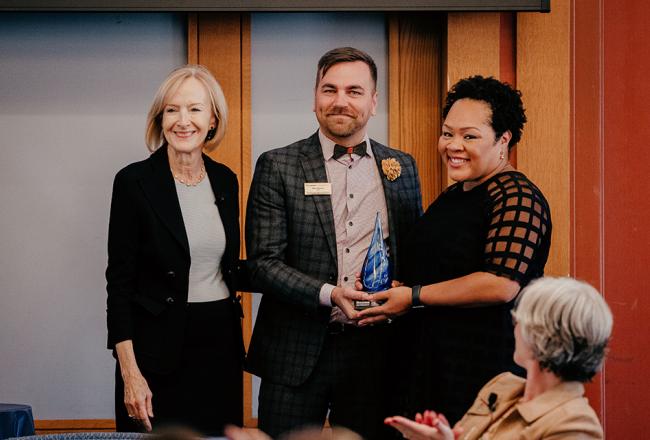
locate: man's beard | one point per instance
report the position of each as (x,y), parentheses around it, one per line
(346,129)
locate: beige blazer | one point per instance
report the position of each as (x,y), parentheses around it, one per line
(560,413)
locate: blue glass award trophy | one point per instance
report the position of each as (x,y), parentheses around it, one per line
(375,272)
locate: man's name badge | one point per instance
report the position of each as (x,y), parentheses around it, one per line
(318,189)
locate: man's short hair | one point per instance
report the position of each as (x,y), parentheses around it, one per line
(345,55)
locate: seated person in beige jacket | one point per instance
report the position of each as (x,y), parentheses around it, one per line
(561,332)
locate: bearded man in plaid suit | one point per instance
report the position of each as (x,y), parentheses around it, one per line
(311,213)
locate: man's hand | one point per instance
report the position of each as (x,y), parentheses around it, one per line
(344,298)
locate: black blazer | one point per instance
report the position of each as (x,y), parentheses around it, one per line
(149,260)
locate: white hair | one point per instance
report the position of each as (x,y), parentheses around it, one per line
(568,325)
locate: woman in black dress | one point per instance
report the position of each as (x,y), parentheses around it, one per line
(481,241)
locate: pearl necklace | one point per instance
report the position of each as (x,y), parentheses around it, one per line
(180,179)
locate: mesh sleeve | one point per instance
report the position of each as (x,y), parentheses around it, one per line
(520,220)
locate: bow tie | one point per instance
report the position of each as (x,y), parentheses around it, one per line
(340,150)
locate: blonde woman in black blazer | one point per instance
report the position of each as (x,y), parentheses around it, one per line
(173,268)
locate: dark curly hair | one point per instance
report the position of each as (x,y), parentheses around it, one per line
(505,102)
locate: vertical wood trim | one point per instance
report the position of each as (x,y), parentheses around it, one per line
(444,81)
(223,45)
(192,38)
(508,48)
(393,81)
(543,76)
(415,63)
(246,177)
(587,162)
(220,51)
(508,58)
(246,129)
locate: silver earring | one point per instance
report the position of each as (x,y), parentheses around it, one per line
(501,155)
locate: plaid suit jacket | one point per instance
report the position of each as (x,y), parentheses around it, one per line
(291,248)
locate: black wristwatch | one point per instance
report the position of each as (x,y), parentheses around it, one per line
(415,297)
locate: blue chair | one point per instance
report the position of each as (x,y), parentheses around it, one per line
(15,420)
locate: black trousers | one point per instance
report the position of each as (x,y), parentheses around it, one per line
(347,381)
(205,392)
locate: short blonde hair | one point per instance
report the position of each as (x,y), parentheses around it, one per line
(154,137)
(568,325)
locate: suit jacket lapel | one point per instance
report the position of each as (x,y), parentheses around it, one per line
(391,195)
(160,190)
(313,165)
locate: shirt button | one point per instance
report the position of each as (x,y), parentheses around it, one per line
(350,224)
(351,196)
(347,250)
(345,278)
(350,166)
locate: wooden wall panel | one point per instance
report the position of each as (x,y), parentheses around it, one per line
(473,45)
(219,49)
(508,58)
(415,90)
(508,47)
(626,213)
(543,76)
(610,211)
(192,38)
(586,162)
(245,179)
(221,42)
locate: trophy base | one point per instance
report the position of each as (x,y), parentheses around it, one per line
(362,305)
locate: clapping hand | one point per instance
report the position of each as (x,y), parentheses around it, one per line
(427,426)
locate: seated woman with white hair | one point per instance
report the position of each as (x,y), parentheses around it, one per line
(562,327)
